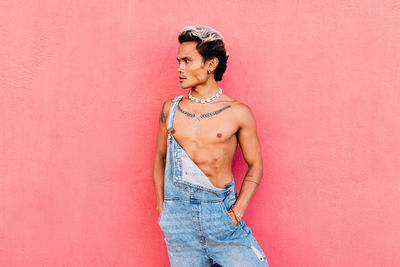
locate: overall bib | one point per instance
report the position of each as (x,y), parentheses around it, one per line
(194,218)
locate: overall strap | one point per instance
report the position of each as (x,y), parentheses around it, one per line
(172,110)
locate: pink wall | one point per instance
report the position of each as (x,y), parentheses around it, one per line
(82,84)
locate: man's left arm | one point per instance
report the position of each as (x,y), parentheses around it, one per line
(251,149)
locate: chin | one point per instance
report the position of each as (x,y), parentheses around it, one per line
(185,86)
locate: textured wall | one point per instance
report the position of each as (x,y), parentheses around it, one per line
(81,87)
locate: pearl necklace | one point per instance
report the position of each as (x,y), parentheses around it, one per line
(203,101)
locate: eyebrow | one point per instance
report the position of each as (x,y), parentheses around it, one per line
(183,58)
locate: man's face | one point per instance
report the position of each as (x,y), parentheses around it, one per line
(191,69)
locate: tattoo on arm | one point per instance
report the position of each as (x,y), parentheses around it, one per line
(249,180)
(162,115)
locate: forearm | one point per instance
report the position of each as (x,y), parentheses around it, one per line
(158,179)
(248,189)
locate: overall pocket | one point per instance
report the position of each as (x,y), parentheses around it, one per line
(226,204)
(227,217)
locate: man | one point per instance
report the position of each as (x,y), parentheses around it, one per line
(199,210)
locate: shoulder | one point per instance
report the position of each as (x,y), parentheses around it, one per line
(243,114)
(240,109)
(168,102)
(166,105)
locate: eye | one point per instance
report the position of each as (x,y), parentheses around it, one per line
(185,60)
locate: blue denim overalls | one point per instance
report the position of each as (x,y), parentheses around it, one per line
(194,218)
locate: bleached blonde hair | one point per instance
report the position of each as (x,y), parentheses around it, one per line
(203,32)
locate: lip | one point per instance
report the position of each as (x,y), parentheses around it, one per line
(181,79)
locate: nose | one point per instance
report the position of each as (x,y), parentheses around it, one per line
(180,68)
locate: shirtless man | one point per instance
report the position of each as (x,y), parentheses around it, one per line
(193,162)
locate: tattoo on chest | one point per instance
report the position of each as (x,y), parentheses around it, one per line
(204,115)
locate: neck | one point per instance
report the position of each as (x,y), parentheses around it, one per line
(205,91)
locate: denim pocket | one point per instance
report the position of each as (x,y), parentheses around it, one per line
(228,217)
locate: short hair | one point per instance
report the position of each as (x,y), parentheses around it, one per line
(210,44)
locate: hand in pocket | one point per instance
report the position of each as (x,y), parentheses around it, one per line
(235,222)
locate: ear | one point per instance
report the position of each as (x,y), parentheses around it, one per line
(214,63)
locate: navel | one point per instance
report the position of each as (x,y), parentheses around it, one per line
(219,135)
(173,131)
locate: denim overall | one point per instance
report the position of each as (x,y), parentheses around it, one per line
(194,218)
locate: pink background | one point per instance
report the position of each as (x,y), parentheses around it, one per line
(81,87)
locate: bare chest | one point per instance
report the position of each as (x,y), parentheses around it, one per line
(203,130)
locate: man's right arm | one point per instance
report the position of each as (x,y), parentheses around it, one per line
(160,155)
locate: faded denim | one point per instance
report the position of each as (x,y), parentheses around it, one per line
(194,218)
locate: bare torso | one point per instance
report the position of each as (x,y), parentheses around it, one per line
(209,142)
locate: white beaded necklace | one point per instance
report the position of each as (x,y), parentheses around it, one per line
(203,101)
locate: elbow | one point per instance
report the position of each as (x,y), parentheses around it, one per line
(257,167)
(160,157)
